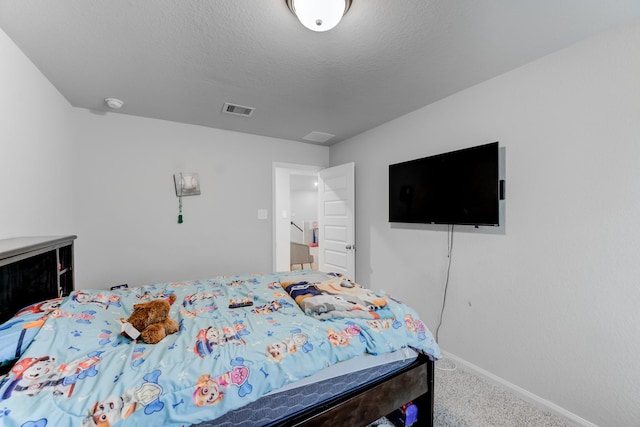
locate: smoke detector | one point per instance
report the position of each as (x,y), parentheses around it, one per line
(238,110)
(114,103)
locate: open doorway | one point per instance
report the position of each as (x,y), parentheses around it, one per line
(335,206)
(295,216)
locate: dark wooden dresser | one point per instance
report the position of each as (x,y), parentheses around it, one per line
(33,269)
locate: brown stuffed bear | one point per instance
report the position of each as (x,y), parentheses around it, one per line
(152,320)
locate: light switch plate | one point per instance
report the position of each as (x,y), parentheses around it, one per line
(262,214)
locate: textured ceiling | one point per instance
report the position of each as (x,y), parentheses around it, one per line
(182,60)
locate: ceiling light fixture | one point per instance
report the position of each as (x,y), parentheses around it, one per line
(319,15)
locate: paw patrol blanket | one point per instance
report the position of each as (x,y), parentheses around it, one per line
(240,338)
(335,297)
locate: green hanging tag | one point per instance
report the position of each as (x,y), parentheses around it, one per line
(179,219)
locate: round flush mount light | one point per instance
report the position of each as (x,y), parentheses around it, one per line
(319,15)
(114,103)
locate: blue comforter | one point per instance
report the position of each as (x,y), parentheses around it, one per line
(81,371)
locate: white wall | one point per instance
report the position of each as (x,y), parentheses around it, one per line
(35,141)
(126,207)
(551,305)
(304,205)
(282,217)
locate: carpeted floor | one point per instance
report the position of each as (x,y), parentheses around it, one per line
(465,400)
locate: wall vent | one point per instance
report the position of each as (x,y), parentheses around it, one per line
(238,110)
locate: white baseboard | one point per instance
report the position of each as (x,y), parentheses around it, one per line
(570,417)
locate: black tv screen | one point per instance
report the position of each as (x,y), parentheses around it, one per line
(459,187)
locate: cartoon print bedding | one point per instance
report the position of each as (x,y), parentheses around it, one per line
(17,333)
(80,371)
(335,296)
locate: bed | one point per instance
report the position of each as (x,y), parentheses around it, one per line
(284,334)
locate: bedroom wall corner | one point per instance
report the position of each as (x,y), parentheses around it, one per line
(35,165)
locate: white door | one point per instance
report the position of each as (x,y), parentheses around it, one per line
(336,220)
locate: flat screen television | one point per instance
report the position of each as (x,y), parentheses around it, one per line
(459,187)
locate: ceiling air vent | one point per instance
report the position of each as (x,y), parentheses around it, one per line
(238,110)
(318,136)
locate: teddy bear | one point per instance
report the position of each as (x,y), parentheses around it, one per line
(152,320)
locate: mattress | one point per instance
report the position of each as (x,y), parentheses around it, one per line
(327,384)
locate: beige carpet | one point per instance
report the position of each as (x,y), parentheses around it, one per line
(464,400)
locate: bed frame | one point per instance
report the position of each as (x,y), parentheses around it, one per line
(368,403)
